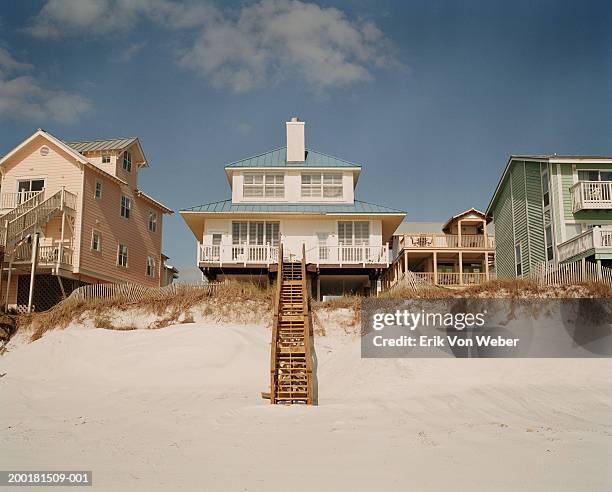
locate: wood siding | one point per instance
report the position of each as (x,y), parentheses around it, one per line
(104,216)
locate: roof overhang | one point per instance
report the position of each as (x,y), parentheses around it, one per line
(154,202)
(196,220)
(555,159)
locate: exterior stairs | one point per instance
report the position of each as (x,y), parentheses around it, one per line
(291,378)
(29,216)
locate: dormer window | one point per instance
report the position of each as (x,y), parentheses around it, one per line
(127,161)
(260,185)
(106,159)
(322,185)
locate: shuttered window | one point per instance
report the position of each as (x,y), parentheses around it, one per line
(317,185)
(259,185)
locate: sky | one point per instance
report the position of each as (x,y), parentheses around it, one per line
(430,97)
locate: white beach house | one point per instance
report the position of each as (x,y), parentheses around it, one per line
(305,200)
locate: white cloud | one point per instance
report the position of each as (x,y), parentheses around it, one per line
(128,52)
(60,18)
(257,45)
(22,96)
(279,39)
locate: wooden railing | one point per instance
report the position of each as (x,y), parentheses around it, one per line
(588,195)
(47,255)
(265,254)
(441,241)
(12,200)
(572,273)
(582,243)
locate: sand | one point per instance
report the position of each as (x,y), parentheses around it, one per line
(180,409)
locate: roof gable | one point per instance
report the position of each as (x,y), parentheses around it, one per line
(108,145)
(278,158)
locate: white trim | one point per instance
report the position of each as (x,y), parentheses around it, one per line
(561,203)
(99,234)
(96,183)
(127,255)
(527,212)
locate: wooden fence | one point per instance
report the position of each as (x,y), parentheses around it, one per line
(136,292)
(572,273)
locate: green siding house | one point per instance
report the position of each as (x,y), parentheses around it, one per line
(553,209)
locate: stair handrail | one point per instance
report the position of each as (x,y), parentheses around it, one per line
(17,211)
(273,345)
(307,327)
(38,208)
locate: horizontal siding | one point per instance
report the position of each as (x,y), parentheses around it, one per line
(535,220)
(504,243)
(104,216)
(519,209)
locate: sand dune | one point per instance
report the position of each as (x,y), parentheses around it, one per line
(179,409)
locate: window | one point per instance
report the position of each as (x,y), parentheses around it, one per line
(27,188)
(326,185)
(550,254)
(594,175)
(256,233)
(152,221)
(122,255)
(127,161)
(98,190)
(545,188)
(150,266)
(355,233)
(106,159)
(125,207)
(96,242)
(258,185)
(518,259)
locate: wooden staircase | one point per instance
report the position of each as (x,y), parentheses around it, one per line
(291,378)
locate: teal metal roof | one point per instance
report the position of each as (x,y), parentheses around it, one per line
(278,158)
(107,144)
(357,207)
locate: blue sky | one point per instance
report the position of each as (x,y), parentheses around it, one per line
(430,96)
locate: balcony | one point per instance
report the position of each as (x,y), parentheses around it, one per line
(12,200)
(586,243)
(264,255)
(47,255)
(447,241)
(591,195)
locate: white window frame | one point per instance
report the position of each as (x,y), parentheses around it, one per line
(518,264)
(551,245)
(263,185)
(153,222)
(98,196)
(127,207)
(325,186)
(96,232)
(355,240)
(598,171)
(253,226)
(120,255)
(107,157)
(150,270)
(127,161)
(544,178)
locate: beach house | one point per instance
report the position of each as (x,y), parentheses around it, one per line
(551,209)
(458,252)
(75,210)
(301,198)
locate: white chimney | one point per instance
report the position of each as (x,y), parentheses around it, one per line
(296,148)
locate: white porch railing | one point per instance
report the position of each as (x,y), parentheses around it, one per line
(594,238)
(47,255)
(265,254)
(437,241)
(12,200)
(588,195)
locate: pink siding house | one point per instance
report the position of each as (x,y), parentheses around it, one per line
(93,223)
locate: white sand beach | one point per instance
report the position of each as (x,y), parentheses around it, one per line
(180,409)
